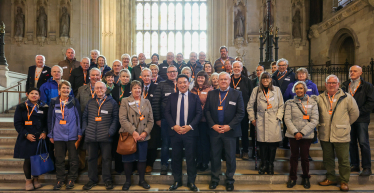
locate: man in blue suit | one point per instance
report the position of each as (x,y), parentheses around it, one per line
(224,111)
(183,112)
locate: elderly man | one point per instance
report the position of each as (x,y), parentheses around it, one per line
(94,54)
(188,72)
(80,76)
(193,65)
(274,67)
(135,73)
(125,58)
(38,74)
(362,91)
(244,85)
(116,67)
(69,63)
(282,78)
(224,111)
(180,60)
(202,57)
(155,57)
(259,70)
(49,89)
(219,64)
(99,124)
(337,112)
(168,62)
(160,98)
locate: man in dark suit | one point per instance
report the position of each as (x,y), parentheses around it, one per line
(137,70)
(80,76)
(224,111)
(183,112)
(38,74)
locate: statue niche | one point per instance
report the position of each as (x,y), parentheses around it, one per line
(296,27)
(19,23)
(64,23)
(42,23)
(239,24)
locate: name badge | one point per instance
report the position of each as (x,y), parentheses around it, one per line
(220,108)
(232,103)
(131,103)
(167,94)
(57,111)
(40,112)
(287,79)
(308,106)
(309,90)
(271,99)
(165,67)
(269,106)
(64,67)
(97,118)
(151,95)
(44,71)
(334,100)
(62,122)
(28,122)
(305,116)
(104,111)
(237,88)
(203,92)
(155,83)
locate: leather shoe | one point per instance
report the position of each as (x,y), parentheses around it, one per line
(144,184)
(327,183)
(126,186)
(148,169)
(198,166)
(175,186)
(291,183)
(366,172)
(204,167)
(306,183)
(192,187)
(355,169)
(344,187)
(213,185)
(229,187)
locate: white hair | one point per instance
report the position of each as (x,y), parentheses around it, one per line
(100,82)
(146,69)
(41,56)
(93,69)
(186,68)
(125,71)
(223,73)
(154,66)
(70,48)
(241,64)
(332,76)
(300,82)
(97,51)
(88,59)
(125,56)
(116,61)
(282,60)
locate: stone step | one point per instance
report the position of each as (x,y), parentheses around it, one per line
(9,132)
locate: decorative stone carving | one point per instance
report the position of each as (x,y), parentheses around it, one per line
(41,23)
(239,24)
(19,25)
(64,23)
(296,27)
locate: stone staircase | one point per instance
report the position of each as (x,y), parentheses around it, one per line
(247,178)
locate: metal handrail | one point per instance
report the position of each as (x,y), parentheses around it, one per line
(18,83)
(7,90)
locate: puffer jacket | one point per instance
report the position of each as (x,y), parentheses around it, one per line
(163,69)
(293,117)
(336,127)
(160,98)
(312,90)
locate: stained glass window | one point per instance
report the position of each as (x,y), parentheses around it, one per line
(178,26)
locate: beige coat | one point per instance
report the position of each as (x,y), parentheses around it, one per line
(268,121)
(129,116)
(337,128)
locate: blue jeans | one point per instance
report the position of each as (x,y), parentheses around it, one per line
(165,142)
(359,131)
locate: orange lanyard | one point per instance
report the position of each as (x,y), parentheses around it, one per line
(193,71)
(331,101)
(122,91)
(117,81)
(29,114)
(92,93)
(137,105)
(350,90)
(220,101)
(198,91)
(175,87)
(156,79)
(267,97)
(223,63)
(305,109)
(63,108)
(283,75)
(236,83)
(38,75)
(145,95)
(85,76)
(98,111)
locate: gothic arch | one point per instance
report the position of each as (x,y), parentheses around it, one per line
(340,39)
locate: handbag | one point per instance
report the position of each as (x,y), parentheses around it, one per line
(41,163)
(126,144)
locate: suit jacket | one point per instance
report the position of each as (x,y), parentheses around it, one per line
(194,113)
(151,90)
(234,112)
(116,92)
(44,76)
(77,79)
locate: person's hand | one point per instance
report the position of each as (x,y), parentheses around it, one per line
(254,123)
(51,139)
(31,137)
(186,129)
(226,128)
(178,129)
(217,128)
(298,136)
(79,137)
(143,136)
(158,123)
(42,136)
(136,136)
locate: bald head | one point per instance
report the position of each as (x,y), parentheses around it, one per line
(355,72)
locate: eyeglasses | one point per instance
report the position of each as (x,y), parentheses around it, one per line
(172,71)
(332,83)
(282,65)
(99,88)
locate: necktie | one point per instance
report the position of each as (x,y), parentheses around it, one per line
(146,90)
(181,118)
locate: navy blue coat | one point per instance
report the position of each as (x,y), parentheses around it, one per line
(25,148)
(287,79)
(312,90)
(195,113)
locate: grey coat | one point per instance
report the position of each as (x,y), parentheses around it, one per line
(84,95)
(129,116)
(268,121)
(293,117)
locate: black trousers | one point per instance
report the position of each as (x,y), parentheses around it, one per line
(218,143)
(178,142)
(118,165)
(153,144)
(60,152)
(245,141)
(106,152)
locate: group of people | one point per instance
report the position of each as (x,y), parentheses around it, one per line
(202,108)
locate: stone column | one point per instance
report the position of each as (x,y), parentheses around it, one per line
(3,64)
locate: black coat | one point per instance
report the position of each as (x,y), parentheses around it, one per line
(163,69)
(77,79)
(151,91)
(137,70)
(116,92)
(245,86)
(44,76)
(160,98)
(233,113)
(197,68)
(25,148)
(364,97)
(287,79)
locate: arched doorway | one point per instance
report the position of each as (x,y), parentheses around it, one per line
(343,46)
(346,51)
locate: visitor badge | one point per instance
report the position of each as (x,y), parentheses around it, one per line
(271,99)
(140,76)
(232,103)
(306,117)
(165,67)
(330,112)
(308,106)
(131,103)
(203,93)
(193,77)
(334,100)
(167,94)
(141,117)
(62,122)
(223,67)
(64,67)
(28,122)
(44,71)
(57,111)
(220,108)
(97,118)
(269,106)
(287,79)
(237,88)
(36,79)
(104,111)
(309,90)
(151,95)
(40,112)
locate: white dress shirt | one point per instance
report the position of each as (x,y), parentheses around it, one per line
(185,108)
